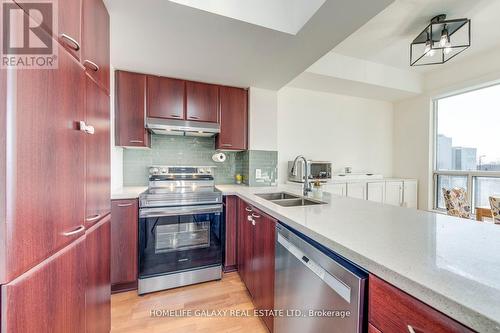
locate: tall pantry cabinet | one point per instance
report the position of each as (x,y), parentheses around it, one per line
(54,182)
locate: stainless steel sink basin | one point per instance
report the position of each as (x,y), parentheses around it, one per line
(289,200)
(297,202)
(277,196)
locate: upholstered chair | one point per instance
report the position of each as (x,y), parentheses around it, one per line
(456,202)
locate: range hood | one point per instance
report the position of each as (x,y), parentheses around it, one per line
(181,127)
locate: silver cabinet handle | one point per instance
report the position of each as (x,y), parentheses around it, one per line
(193,117)
(93,218)
(410,329)
(249,218)
(74,232)
(255,216)
(253,222)
(226,145)
(86,128)
(125,205)
(175,116)
(90,64)
(72,42)
(136,141)
(248,209)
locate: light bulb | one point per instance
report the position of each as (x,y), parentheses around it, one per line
(445,38)
(447,50)
(429,51)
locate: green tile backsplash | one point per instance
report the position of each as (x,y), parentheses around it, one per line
(198,151)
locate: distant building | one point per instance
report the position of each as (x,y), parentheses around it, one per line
(444,158)
(464,158)
(490,167)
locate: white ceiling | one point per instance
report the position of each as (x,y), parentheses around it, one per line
(386,38)
(165,38)
(282,15)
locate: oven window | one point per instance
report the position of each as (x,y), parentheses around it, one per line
(180,237)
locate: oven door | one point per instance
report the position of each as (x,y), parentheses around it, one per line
(175,239)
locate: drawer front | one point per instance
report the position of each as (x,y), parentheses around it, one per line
(392,310)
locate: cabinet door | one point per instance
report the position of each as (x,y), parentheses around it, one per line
(45,184)
(394,193)
(202,102)
(68,24)
(263,263)
(376,191)
(97,151)
(231,215)
(356,190)
(95,45)
(233,119)
(410,193)
(130,102)
(336,189)
(98,291)
(165,97)
(124,219)
(50,297)
(245,237)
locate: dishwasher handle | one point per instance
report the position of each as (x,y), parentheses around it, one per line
(333,282)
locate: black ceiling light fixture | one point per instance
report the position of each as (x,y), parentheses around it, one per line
(440,41)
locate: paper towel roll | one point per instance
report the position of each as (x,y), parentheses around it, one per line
(219,157)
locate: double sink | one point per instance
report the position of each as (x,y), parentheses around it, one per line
(289,200)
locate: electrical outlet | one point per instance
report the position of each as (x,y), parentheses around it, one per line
(258,173)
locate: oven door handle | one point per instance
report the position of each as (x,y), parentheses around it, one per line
(176,211)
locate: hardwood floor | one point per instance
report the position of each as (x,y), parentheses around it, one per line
(131,313)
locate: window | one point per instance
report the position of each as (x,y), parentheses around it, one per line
(467,145)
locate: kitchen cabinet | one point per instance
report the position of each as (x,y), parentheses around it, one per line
(130,104)
(336,189)
(376,191)
(49,297)
(356,190)
(256,257)
(202,102)
(233,119)
(98,289)
(392,310)
(231,224)
(394,193)
(68,24)
(95,41)
(410,190)
(124,226)
(46,188)
(97,153)
(165,97)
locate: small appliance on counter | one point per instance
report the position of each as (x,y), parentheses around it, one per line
(319,170)
(180,231)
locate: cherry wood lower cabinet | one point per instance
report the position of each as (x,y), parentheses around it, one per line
(231,224)
(97,150)
(256,262)
(124,226)
(233,119)
(50,297)
(391,310)
(98,290)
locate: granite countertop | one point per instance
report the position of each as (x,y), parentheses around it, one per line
(127,192)
(449,263)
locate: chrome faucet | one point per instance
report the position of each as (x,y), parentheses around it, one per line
(307,186)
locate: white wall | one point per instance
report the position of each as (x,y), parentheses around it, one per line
(348,131)
(263,106)
(413,118)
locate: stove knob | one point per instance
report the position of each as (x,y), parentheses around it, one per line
(153,171)
(201,171)
(209,171)
(163,171)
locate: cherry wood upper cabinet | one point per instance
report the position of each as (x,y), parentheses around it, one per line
(95,37)
(68,24)
(165,97)
(98,290)
(202,102)
(130,102)
(97,150)
(49,297)
(234,119)
(124,219)
(45,184)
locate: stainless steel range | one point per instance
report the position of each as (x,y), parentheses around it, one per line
(180,231)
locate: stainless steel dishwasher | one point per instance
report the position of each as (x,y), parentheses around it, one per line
(315,289)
